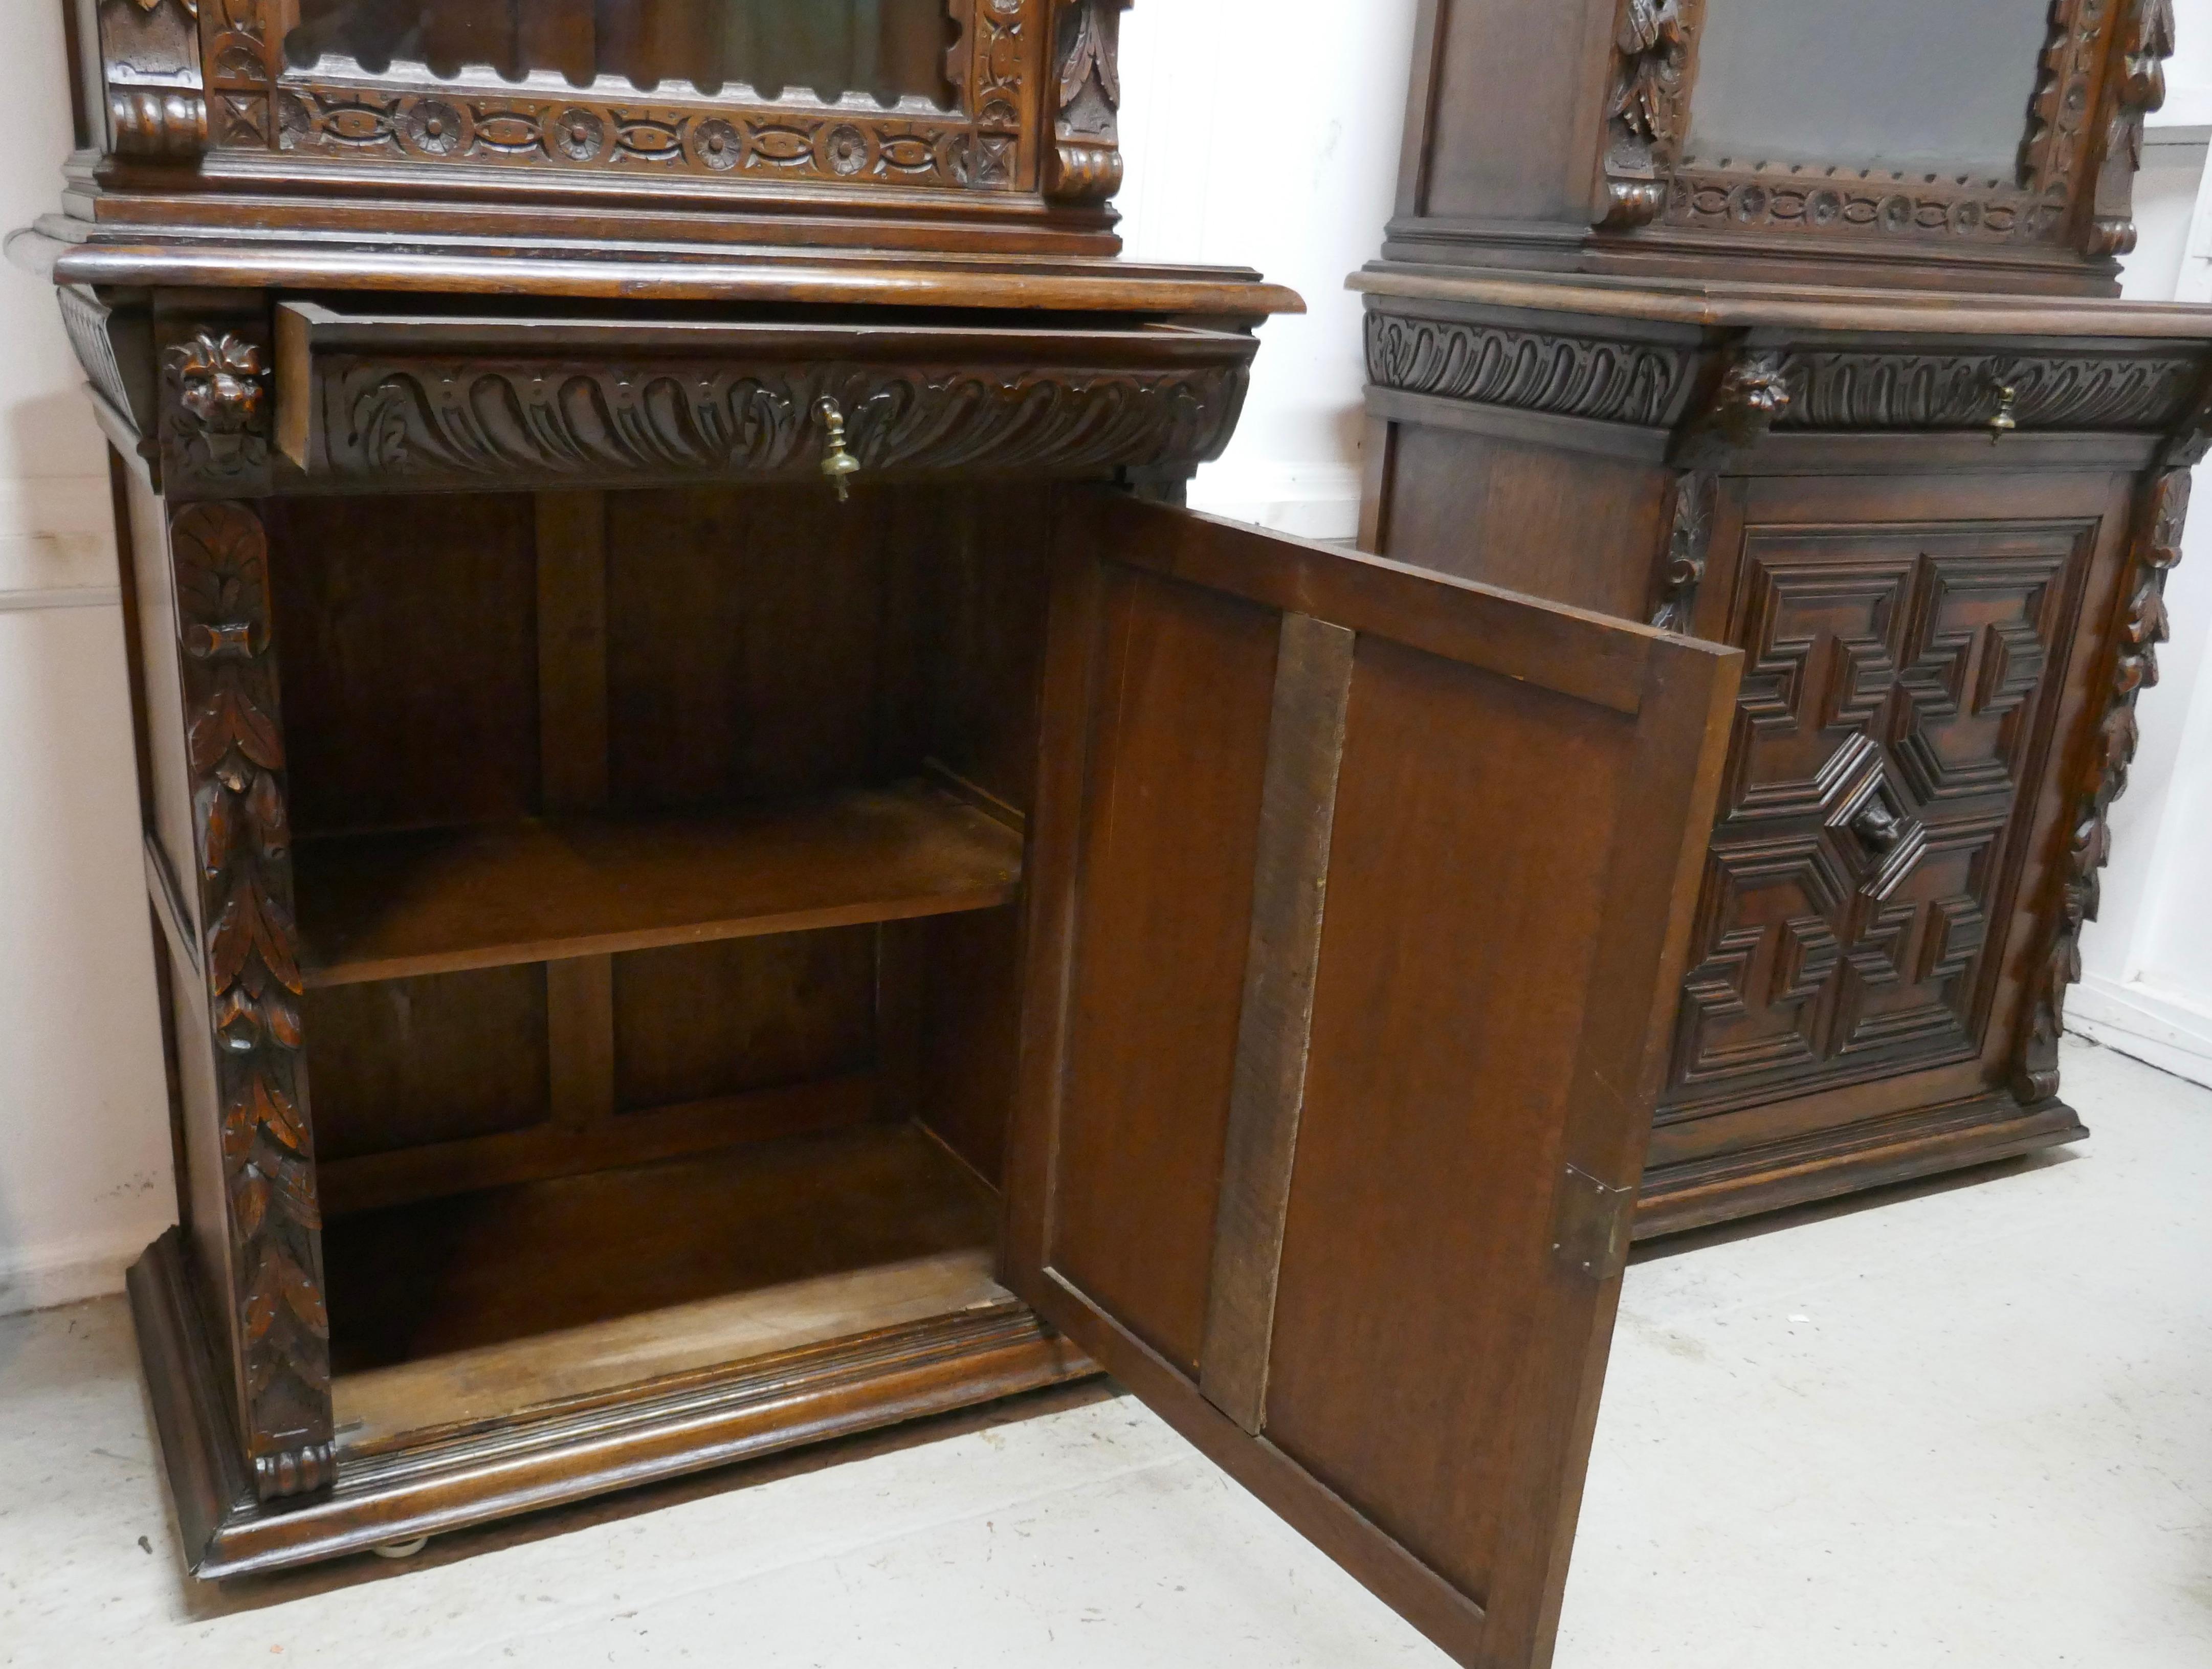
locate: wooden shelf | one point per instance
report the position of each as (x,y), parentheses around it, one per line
(394,906)
(481,1306)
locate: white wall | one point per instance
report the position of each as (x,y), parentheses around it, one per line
(2147,961)
(84,1145)
(1264,133)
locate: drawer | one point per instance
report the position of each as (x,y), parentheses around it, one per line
(375,401)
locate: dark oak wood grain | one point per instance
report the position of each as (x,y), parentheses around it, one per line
(392,906)
(1490,999)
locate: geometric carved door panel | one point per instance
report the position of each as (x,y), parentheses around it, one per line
(1897,680)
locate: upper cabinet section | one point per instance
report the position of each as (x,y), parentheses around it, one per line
(1982,144)
(997,108)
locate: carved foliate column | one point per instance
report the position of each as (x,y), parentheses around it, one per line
(2145,42)
(1084,163)
(214,437)
(2160,518)
(1752,393)
(1651,67)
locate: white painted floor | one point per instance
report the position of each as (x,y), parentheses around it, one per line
(1968,1426)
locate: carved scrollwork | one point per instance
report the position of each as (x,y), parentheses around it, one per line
(1651,48)
(489,420)
(1085,162)
(2105,776)
(1853,389)
(1613,382)
(215,413)
(236,743)
(156,104)
(1753,392)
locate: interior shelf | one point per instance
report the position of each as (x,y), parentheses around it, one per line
(395,906)
(470,1308)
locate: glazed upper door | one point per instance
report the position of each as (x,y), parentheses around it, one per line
(1358,897)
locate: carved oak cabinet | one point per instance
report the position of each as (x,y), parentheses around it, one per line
(1789,325)
(730,866)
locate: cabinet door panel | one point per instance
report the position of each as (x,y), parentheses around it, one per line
(1902,680)
(1358,900)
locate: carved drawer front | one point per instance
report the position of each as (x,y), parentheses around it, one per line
(374,401)
(1899,684)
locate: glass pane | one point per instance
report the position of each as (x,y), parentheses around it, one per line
(888,48)
(1940,84)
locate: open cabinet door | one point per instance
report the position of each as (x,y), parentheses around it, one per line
(1359,900)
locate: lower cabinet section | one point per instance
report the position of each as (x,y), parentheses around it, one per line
(1945,606)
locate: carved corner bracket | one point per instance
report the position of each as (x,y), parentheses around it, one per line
(1084,164)
(250,949)
(1652,59)
(156,101)
(215,416)
(1753,391)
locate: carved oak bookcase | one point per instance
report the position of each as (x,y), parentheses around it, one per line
(1789,325)
(784,884)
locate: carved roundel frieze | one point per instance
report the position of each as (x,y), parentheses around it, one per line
(845,149)
(434,128)
(577,134)
(717,145)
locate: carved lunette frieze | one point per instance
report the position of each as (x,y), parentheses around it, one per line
(1870,390)
(234,741)
(491,420)
(156,101)
(1610,382)
(1085,164)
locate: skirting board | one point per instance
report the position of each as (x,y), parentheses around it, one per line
(2133,1020)
(46,1277)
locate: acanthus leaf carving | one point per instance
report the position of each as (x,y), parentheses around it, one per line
(1608,381)
(250,950)
(509,419)
(2146,42)
(2163,513)
(1084,163)
(1652,55)
(1864,389)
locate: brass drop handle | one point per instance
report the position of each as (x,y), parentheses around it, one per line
(2004,423)
(836,462)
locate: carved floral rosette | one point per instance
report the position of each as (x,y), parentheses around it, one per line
(235,744)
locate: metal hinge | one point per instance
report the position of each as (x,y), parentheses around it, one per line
(1589,1224)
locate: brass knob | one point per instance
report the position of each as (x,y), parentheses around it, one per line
(836,462)
(2004,423)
